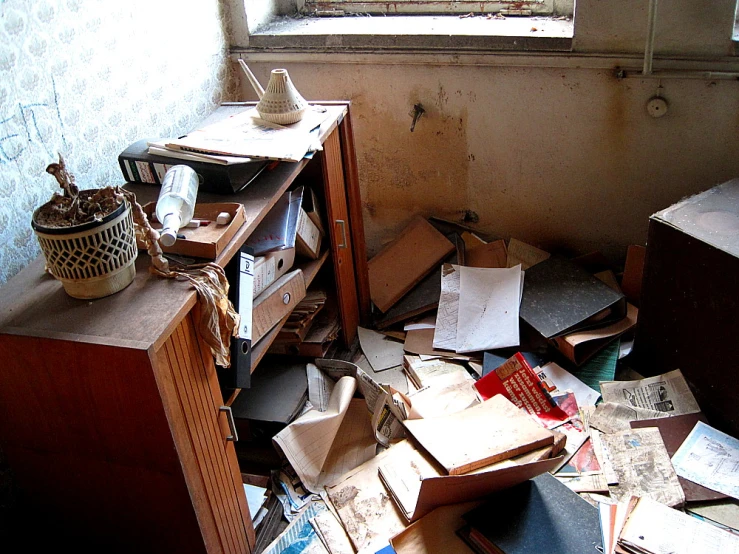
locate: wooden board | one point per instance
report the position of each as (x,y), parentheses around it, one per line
(405,261)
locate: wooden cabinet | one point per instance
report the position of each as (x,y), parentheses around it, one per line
(110,410)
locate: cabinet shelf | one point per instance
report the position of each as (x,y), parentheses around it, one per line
(124,392)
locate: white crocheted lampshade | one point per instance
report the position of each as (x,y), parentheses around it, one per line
(281,102)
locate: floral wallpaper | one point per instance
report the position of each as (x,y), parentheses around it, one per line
(85,78)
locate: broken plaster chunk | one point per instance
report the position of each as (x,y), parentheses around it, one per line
(223,218)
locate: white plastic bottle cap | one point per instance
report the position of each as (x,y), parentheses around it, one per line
(168,237)
(223,218)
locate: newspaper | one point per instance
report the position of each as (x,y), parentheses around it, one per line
(643,467)
(710,458)
(667,393)
(610,417)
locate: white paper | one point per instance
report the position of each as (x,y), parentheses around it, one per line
(428,322)
(445,333)
(254,498)
(653,527)
(710,458)
(381,351)
(308,440)
(564,380)
(320,387)
(489,300)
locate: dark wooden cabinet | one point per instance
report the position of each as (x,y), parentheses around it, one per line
(110,410)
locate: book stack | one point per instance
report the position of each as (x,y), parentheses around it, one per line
(227,150)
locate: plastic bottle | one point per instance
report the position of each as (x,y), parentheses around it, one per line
(176,202)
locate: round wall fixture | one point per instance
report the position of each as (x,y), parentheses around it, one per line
(657,106)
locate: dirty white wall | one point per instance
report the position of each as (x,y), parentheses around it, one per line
(86,79)
(551,149)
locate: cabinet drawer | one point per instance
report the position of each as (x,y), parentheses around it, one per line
(276,302)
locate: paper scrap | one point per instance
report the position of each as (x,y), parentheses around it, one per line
(381,352)
(643,466)
(524,254)
(563,380)
(710,458)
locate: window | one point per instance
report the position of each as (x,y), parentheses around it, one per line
(458,7)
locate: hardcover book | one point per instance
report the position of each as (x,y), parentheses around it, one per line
(540,515)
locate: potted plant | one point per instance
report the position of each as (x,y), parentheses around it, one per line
(87,237)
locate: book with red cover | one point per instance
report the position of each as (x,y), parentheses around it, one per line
(515,380)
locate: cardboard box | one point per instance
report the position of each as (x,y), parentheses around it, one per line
(308,237)
(689,300)
(205,241)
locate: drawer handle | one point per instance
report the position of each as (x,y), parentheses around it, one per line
(342,223)
(234,436)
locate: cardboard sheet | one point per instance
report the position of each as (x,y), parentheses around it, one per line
(435,532)
(418,485)
(479,436)
(413,254)
(521,253)
(381,352)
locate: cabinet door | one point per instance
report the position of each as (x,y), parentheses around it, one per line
(188,383)
(340,233)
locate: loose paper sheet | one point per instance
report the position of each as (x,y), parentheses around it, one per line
(447,394)
(313,445)
(710,458)
(653,527)
(386,405)
(381,352)
(610,417)
(563,380)
(320,387)
(643,466)
(489,299)
(445,332)
(368,514)
(667,393)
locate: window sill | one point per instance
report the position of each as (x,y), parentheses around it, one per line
(415,32)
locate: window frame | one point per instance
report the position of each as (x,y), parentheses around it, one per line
(431,7)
